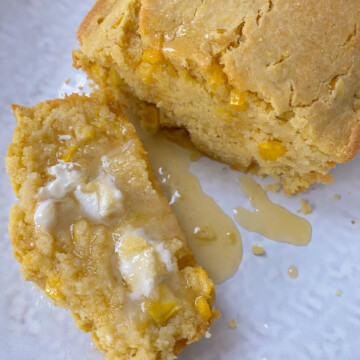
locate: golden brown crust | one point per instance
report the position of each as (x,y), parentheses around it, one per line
(97,11)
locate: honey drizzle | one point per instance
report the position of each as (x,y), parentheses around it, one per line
(211,234)
(293,272)
(270,220)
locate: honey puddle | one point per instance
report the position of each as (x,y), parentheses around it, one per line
(270,220)
(211,234)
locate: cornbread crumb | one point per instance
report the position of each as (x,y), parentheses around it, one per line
(338,293)
(336,197)
(207,335)
(353,222)
(232,324)
(67,81)
(205,233)
(305,207)
(274,188)
(258,250)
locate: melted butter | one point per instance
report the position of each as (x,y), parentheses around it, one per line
(293,272)
(211,234)
(270,220)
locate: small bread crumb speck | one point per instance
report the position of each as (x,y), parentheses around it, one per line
(258,250)
(232,324)
(274,188)
(336,197)
(305,207)
(67,81)
(338,293)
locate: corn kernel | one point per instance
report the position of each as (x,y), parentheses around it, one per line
(164,308)
(238,100)
(207,285)
(85,133)
(53,283)
(203,307)
(152,56)
(69,152)
(217,76)
(146,72)
(161,312)
(225,114)
(271,150)
(88,134)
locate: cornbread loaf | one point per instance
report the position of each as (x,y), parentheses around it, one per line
(94,231)
(267,86)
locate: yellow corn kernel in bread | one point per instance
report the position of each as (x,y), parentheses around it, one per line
(152,56)
(68,153)
(203,307)
(271,150)
(238,100)
(146,72)
(52,288)
(164,307)
(85,133)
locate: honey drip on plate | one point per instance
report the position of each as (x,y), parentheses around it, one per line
(270,220)
(293,272)
(211,234)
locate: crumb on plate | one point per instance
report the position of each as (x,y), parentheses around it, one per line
(258,250)
(232,324)
(274,188)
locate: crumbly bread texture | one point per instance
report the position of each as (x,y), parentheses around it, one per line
(127,276)
(268,86)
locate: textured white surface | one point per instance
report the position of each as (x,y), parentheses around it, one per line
(277,318)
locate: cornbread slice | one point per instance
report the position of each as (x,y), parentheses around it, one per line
(94,231)
(267,86)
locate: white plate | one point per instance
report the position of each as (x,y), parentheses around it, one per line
(277,317)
